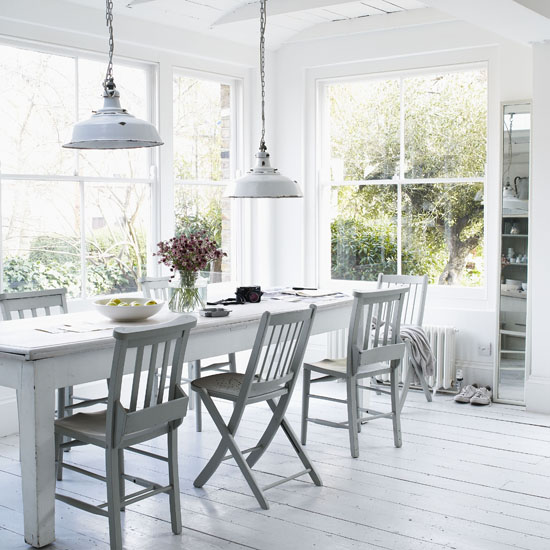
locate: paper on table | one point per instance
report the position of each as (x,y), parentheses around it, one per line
(77,327)
(314,293)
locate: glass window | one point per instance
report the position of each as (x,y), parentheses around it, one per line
(41,235)
(37,110)
(203,128)
(423,140)
(117,233)
(92,238)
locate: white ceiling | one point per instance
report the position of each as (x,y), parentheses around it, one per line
(237,20)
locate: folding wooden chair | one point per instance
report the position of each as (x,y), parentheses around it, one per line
(413,314)
(146,416)
(374,348)
(271,375)
(158,288)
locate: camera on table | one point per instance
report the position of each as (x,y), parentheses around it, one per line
(252,294)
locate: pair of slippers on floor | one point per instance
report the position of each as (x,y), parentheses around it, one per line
(475,395)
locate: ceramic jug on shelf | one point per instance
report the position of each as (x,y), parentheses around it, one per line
(522,187)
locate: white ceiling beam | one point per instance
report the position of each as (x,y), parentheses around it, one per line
(507,18)
(373,23)
(275,7)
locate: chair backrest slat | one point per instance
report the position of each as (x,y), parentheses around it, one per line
(32,302)
(414,304)
(278,350)
(137,378)
(155,288)
(164,370)
(375,321)
(146,342)
(151,374)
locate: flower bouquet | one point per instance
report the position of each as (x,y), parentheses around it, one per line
(187,255)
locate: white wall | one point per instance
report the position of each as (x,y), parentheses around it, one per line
(295,231)
(538,384)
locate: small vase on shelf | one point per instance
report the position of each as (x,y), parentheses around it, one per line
(187,296)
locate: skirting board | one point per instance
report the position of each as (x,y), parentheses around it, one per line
(476,371)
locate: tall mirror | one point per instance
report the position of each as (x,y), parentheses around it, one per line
(514,265)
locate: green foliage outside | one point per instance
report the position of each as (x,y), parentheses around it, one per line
(445,137)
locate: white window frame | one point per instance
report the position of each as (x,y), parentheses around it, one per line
(236,107)
(324,184)
(151,70)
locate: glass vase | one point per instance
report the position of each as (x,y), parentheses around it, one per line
(187,296)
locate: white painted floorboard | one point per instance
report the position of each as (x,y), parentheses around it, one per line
(466,478)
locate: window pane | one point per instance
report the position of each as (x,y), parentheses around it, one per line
(363,231)
(202,129)
(117,227)
(41,236)
(37,110)
(364,130)
(446,125)
(443,232)
(132,84)
(203,208)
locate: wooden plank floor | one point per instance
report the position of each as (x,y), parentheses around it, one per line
(466,478)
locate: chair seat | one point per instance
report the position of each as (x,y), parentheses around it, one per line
(89,427)
(227,385)
(338,367)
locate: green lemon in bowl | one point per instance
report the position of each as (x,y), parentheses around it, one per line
(115,301)
(151,303)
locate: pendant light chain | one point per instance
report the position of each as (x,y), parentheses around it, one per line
(109,83)
(263,18)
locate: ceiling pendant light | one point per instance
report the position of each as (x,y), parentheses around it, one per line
(263,181)
(112,127)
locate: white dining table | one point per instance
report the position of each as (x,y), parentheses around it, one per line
(38,355)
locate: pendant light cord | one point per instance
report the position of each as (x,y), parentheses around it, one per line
(263,18)
(109,83)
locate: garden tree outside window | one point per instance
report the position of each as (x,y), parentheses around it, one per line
(75,219)
(204,161)
(406,173)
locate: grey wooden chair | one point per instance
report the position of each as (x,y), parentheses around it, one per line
(146,416)
(270,376)
(158,288)
(374,348)
(19,305)
(413,314)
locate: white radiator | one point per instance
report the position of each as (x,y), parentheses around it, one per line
(442,340)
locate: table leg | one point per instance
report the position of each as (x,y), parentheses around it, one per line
(37,453)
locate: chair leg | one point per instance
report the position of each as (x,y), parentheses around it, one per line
(122,481)
(351,387)
(406,385)
(359,406)
(175,505)
(424,384)
(395,409)
(58,457)
(293,438)
(224,429)
(61,402)
(305,404)
(192,395)
(113,498)
(232,363)
(198,404)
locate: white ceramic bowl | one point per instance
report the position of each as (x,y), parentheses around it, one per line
(127,313)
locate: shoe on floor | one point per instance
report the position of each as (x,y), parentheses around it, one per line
(482,396)
(466,393)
